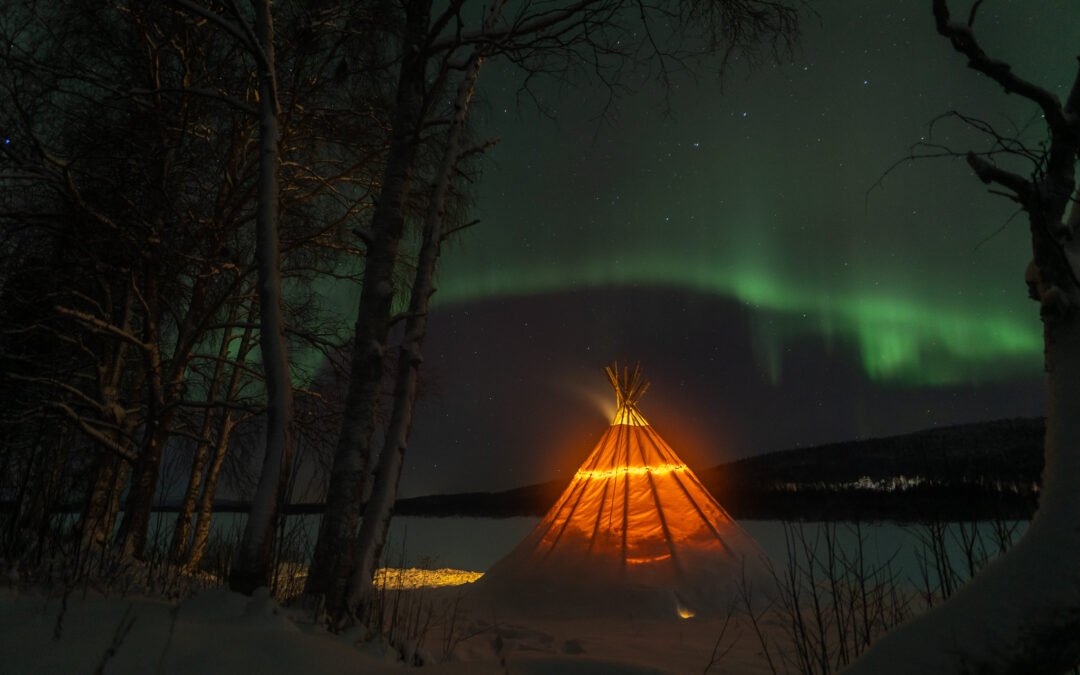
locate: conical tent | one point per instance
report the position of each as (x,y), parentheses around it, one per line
(633,517)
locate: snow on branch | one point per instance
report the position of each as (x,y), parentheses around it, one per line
(85,425)
(100,326)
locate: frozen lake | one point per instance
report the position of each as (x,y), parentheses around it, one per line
(476,543)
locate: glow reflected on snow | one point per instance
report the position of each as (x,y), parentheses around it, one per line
(409,578)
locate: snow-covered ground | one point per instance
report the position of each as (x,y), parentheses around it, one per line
(220,632)
(215,631)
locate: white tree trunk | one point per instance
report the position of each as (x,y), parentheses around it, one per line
(1021,614)
(252,568)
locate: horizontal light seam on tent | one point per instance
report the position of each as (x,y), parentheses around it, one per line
(589,474)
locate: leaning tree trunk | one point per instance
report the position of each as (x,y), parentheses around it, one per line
(103,499)
(110,469)
(201,534)
(182,530)
(110,475)
(252,567)
(379,509)
(131,538)
(163,390)
(333,559)
(138,507)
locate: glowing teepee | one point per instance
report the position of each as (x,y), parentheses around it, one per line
(633,517)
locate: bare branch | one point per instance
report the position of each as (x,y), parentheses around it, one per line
(449,232)
(991,173)
(1072,103)
(536,24)
(1064,129)
(230,27)
(963,40)
(974,11)
(63,386)
(101,326)
(96,434)
(203,92)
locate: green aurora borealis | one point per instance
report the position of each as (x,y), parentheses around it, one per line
(899,337)
(760,191)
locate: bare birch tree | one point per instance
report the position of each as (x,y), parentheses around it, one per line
(131,170)
(301,141)
(1022,613)
(99,137)
(252,568)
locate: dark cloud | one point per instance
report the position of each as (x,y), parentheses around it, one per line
(516,392)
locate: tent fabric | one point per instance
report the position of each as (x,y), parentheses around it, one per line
(634,516)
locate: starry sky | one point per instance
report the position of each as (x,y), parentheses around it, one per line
(734,237)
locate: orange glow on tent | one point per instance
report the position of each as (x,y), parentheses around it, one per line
(650,559)
(604,474)
(633,496)
(633,513)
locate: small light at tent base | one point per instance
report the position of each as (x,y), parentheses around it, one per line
(685,612)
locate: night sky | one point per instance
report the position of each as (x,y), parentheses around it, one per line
(729,238)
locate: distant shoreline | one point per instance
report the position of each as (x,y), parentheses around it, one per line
(981,471)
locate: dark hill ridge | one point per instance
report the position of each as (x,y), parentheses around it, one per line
(982,470)
(1002,451)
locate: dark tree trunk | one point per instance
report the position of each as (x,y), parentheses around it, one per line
(103,500)
(182,531)
(335,549)
(205,514)
(379,508)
